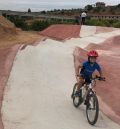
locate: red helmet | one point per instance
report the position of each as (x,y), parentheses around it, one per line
(92,53)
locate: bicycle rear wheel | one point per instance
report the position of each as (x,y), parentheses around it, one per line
(77,99)
(92,108)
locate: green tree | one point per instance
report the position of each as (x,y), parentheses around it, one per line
(112,9)
(43,12)
(29,10)
(118,5)
(39,25)
(97,9)
(89,7)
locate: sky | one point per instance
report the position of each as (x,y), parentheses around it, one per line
(39,5)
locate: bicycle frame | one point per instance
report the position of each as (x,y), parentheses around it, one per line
(88,87)
(87,95)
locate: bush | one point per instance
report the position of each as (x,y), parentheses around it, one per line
(20,23)
(108,23)
(117,25)
(100,23)
(39,25)
(91,22)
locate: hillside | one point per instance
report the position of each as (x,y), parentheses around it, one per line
(6,27)
(10,35)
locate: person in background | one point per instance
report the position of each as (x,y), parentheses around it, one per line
(83,17)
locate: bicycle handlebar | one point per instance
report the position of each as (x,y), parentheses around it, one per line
(97,77)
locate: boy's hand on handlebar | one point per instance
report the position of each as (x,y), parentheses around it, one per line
(100,78)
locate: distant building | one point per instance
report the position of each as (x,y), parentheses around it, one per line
(100,4)
(107,17)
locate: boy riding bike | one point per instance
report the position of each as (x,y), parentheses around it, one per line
(85,71)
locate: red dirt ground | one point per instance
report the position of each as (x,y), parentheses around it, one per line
(62,32)
(100,29)
(6,60)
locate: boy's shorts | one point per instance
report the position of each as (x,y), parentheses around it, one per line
(87,79)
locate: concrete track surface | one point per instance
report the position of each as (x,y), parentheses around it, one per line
(37,95)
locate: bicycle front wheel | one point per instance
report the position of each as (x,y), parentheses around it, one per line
(77,100)
(92,108)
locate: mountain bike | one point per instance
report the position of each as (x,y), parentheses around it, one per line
(87,95)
